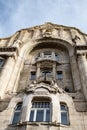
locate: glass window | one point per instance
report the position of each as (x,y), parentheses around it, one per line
(40,112)
(37,56)
(57,56)
(59,75)
(1,62)
(17,113)
(33,75)
(46,72)
(64,115)
(47,54)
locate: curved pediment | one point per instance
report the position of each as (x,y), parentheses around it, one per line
(45,88)
(47,30)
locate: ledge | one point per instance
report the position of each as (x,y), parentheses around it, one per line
(56,124)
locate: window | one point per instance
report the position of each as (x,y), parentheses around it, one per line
(40,112)
(47,54)
(64,114)
(1,62)
(57,56)
(17,113)
(37,56)
(59,75)
(46,72)
(33,75)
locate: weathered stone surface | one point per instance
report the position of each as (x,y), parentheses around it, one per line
(44,63)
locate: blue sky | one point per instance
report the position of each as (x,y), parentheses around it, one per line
(19,14)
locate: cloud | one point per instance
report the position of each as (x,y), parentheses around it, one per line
(18,14)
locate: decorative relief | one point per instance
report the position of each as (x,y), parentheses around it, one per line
(43,88)
(17,43)
(47,33)
(40,93)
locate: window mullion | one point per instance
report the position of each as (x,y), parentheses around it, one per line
(35,114)
(44,115)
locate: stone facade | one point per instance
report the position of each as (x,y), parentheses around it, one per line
(43,79)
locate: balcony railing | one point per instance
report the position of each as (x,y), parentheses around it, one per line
(47,58)
(45,78)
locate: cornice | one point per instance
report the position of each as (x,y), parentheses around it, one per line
(46,25)
(8,51)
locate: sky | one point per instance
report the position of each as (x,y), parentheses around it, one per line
(19,14)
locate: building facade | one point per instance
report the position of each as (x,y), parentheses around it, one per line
(43,79)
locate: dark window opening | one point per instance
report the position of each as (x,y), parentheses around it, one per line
(1,62)
(17,113)
(57,56)
(33,75)
(47,54)
(59,75)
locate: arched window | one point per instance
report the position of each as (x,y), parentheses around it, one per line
(64,114)
(17,113)
(40,111)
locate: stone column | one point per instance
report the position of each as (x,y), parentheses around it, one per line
(75,73)
(13,83)
(38,71)
(5,75)
(82,64)
(54,71)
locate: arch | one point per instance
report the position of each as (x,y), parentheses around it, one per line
(28,47)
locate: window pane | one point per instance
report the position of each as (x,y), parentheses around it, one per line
(1,62)
(47,53)
(40,114)
(37,56)
(31,115)
(64,118)
(57,56)
(41,105)
(19,106)
(47,115)
(63,107)
(59,75)
(16,117)
(33,75)
(46,72)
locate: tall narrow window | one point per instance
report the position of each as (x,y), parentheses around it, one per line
(40,112)
(57,56)
(1,62)
(59,75)
(17,113)
(33,75)
(64,114)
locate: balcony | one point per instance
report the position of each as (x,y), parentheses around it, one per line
(45,78)
(47,58)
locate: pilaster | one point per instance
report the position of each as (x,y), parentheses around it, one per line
(82,64)
(6,75)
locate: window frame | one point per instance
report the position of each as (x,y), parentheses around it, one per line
(57,56)
(32,77)
(2,60)
(59,74)
(17,111)
(66,112)
(38,109)
(47,54)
